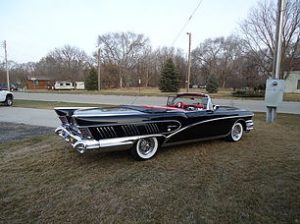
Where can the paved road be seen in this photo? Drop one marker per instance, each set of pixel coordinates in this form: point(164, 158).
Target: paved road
point(253, 105)
point(37, 117)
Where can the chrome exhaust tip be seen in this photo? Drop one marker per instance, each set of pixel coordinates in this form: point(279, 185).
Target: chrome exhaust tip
point(80, 147)
point(59, 131)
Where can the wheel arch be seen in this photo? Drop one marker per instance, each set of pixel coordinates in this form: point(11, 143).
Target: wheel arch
point(9, 95)
point(243, 122)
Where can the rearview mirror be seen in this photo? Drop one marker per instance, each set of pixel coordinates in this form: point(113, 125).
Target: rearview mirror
point(215, 107)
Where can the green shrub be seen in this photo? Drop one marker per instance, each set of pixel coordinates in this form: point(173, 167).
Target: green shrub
point(212, 84)
point(169, 81)
point(91, 81)
point(249, 93)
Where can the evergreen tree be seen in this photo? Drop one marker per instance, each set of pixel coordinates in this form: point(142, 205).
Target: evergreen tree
point(169, 81)
point(91, 81)
point(212, 84)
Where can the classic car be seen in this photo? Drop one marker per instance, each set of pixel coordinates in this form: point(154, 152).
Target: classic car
point(187, 117)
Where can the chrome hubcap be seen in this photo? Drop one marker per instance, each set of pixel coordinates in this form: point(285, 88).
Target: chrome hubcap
point(147, 145)
point(236, 132)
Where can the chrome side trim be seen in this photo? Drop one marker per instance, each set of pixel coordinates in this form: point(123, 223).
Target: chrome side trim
point(112, 144)
point(202, 122)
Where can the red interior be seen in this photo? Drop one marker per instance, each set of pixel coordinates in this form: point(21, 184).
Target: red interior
point(178, 106)
point(164, 107)
point(184, 106)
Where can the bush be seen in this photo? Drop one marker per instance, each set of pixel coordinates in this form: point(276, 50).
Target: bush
point(91, 81)
point(169, 81)
point(249, 93)
point(212, 84)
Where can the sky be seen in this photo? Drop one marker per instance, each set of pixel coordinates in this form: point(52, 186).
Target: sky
point(33, 28)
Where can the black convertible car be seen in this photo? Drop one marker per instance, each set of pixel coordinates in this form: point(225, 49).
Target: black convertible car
point(187, 117)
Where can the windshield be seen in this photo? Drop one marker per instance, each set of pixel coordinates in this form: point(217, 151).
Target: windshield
point(187, 101)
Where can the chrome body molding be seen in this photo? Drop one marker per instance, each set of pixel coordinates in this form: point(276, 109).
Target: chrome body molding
point(112, 144)
point(210, 120)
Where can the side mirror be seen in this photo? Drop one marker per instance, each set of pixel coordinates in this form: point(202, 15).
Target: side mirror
point(215, 107)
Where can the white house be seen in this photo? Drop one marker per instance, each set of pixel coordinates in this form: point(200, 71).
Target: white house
point(79, 85)
point(292, 82)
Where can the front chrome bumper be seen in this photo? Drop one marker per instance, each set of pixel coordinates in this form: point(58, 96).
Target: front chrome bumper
point(249, 125)
point(112, 144)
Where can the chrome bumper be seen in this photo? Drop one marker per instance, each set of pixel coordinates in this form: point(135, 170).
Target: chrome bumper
point(112, 144)
point(249, 125)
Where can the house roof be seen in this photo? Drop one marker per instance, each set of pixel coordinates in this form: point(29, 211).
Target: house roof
point(38, 78)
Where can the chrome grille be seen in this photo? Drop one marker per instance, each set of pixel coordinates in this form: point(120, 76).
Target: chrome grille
point(106, 132)
point(151, 128)
point(130, 130)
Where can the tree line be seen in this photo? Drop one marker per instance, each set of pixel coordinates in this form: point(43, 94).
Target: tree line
point(239, 60)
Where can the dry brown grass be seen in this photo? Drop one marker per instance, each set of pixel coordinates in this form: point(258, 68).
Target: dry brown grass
point(291, 97)
point(51, 104)
point(256, 180)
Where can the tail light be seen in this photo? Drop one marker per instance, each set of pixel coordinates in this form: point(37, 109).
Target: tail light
point(63, 119)
point(85, 133)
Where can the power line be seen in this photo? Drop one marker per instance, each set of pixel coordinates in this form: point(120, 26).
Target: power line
point(186, 23)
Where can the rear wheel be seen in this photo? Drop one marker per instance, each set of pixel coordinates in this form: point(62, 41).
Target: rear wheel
point(8, 101)
point(236, 132)
point(145, 148)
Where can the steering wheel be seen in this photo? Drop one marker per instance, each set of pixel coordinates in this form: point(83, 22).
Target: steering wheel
point(191, 108)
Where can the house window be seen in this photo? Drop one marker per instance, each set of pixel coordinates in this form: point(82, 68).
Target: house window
point(36, 82)
point(298, 84)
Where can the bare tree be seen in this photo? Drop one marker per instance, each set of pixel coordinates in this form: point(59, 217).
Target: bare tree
point(124, 50)
point(216, 57)
point(258, 33)
point(66, 63)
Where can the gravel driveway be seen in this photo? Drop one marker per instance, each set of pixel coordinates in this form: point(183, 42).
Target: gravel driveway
point(13, 131)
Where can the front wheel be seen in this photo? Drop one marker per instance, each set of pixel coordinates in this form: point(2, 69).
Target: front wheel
point(8, 101)
point(145, 148)
point(236, 132)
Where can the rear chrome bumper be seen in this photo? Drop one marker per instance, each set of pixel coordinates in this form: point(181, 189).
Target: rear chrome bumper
point(112, 144)
point(249, 125)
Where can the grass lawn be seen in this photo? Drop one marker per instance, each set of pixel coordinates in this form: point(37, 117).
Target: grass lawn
point(51, 104)
point(256, 180)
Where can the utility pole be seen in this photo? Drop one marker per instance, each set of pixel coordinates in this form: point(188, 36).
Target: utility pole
point(274, 94)
point(99, 69)
point(276, 38)
point(6, 65)
point(279, 41)
point(189, 63)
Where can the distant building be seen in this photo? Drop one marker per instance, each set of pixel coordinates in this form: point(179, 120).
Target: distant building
point(292, 82)
point(38, 83)
point(63, 85)
point(292, 79)
point(79, 85)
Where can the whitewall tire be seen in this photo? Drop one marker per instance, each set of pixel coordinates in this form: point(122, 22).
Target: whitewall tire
point(145, 148)
point(236, 132)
